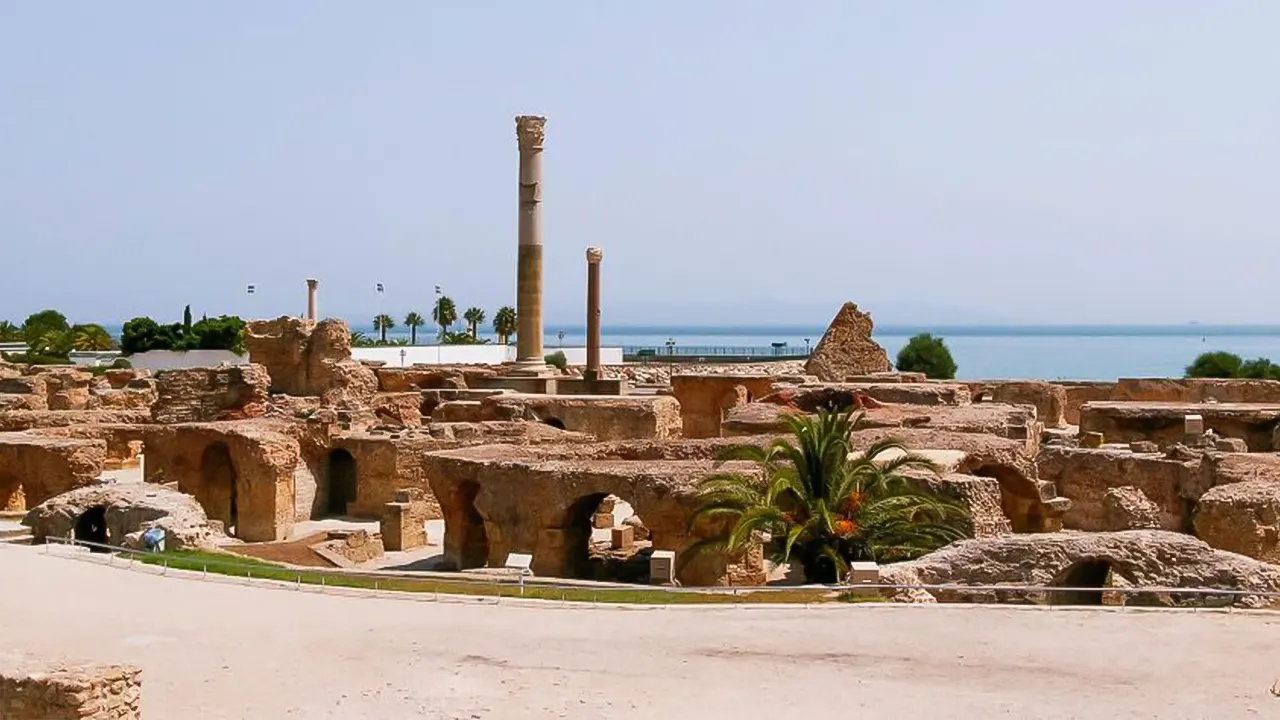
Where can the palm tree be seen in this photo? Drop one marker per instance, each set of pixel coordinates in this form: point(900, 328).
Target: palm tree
point(90, 337)
point(504, 323)
point(445, 313)
point(474, 316)
point(359, 339)
point(826, 507)
point(9, 332)
point(382, 324)
point(413, 321)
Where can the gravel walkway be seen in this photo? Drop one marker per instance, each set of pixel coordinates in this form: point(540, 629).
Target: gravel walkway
point(217, 650)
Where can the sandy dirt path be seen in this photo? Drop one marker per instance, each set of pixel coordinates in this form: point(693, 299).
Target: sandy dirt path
point(215, 650)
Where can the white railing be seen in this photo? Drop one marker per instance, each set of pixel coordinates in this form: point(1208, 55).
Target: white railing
point(456, 587)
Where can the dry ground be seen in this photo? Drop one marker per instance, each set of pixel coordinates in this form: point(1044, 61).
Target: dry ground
point(217, 650)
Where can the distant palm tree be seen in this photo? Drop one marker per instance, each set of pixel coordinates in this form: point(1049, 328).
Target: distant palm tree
point(504, 323)
point(9, 332)
point(382, 324)
point(445, 313)
point(90, 337)
point(413, 321)
point(359, 339)
point(474, 316)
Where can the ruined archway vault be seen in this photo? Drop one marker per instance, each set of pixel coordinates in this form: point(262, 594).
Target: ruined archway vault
point(529, 499)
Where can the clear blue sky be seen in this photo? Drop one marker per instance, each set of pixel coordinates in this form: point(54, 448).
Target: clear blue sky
point(748, 161)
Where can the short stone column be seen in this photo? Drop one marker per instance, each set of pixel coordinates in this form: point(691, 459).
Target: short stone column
point(530, 134)
point(312, 286)
point(594, 256)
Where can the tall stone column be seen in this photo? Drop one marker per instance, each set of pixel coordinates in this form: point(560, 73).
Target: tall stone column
point(312, 285)
point(594, 256)
point(530, 133)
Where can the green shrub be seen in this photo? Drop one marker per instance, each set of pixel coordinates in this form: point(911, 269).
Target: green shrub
point(557, 360)
point(1215, 365)
point(929, 355)
point(225, 332)
point(121, 364)
point(1260, 369)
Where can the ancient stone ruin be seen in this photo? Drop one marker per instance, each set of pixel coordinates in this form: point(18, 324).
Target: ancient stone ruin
point(308, 457)
point(846, 349)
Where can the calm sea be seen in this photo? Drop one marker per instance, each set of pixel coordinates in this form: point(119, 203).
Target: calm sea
point(1080, 352)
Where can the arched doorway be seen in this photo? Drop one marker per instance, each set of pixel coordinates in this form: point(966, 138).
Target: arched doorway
point(91, 527)
point(475, 539)
point(342, 481)
point(12, 497)
point(556, 423)
point(1083, 575)
point(1019, 498)
point(577, 531)
point(219, 486)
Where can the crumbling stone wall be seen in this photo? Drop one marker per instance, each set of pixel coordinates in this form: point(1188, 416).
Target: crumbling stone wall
point(614, 418)
point(34, 469)
point(310, 358)
point(254, 463)
point(1243, 518)
point(234, 392)
point(498, 499)
point(705, 399)
point(1085, 475)
point(59, 692)
point(1048, 399)
point(846, 348)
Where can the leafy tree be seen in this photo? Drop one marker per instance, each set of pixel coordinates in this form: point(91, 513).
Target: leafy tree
point(474, 316)
point(91, 337)
point(445, 314)
point(9, 332)
point(382, 324)
point(825, 508)
point(504, 323)
point(413, 321)
point(41, 329)
point(929, 355)
point(557, 360)
point(1260, 369)
point(1215, 365)
point(225, 332)
point(462, 338)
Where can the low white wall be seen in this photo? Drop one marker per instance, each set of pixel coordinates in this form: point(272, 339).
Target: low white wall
point(437, 354)
point(578, 355)
point(470, 355)
point(155, 360)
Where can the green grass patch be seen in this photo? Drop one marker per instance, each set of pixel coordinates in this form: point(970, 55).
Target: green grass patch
point(240, 566)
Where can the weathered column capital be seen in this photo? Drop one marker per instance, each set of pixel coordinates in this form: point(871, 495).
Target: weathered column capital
point(531, 130)
point(594, 255)
point(312, 284)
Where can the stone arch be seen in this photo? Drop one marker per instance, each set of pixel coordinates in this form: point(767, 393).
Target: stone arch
point(12, 494)
point(91, 527)
point(554, 422)
point(576, 529)
point(219, 483)
point(341, 473)
point(475, 537)
point(1020, 498)
point(1084, 575)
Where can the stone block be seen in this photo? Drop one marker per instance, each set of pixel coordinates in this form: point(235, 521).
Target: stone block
point(864, 573)
point(1091, 440)
point(622, 537)
point(1231, 445)
point(1193, 425)
point(662, 567)
point(1143, 446)
point(602, 520)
